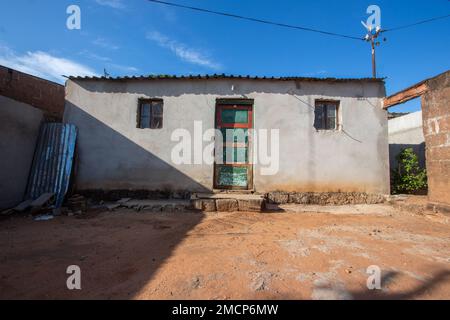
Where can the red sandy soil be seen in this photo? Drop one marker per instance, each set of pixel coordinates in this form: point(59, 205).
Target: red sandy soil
point(285, 255)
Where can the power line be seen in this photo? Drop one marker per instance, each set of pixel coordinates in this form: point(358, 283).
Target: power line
point(258, 20)
point(417, 23)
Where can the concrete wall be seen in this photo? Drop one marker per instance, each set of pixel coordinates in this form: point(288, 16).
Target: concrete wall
point(114, 154)
point(436, 121)
point(406, 132)
point(25, 101)
point(19, 131)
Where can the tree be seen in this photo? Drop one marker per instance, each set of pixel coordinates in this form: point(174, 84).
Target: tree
point(408, 177)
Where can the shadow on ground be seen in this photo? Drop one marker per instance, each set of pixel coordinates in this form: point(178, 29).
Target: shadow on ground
point(117, 256)
point(131, 254)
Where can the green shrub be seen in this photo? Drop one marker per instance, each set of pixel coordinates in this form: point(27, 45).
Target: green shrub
point(408, 177)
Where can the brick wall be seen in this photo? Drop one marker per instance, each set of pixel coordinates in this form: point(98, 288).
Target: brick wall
point(45, 95)
point(436, 127)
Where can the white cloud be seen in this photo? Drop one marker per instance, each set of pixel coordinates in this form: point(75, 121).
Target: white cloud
point(94, 56)
point(43, 64)
point(116, 4)
point(108, 62)
point(182, 51)
point(104, 43)
point(316, 73)
point(123, 68)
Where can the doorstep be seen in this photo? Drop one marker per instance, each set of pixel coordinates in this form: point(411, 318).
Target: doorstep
point(227, 202)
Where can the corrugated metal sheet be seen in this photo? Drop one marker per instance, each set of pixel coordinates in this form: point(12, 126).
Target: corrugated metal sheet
point(225, 76)
point(52, 163)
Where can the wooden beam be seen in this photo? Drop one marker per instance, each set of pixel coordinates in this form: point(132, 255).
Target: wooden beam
point(403, 96)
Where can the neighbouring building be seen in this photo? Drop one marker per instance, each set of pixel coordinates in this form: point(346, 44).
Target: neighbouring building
point(435, 101)
point(25, 102)
point(333, 133)
point(406, 131)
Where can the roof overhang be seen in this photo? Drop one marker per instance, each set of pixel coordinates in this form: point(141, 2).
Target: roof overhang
point(224, 77)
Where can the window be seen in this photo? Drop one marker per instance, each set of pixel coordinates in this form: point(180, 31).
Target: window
point(150, 114)
point(325, 115)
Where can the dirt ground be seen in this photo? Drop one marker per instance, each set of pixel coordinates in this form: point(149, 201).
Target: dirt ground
point(305, 252)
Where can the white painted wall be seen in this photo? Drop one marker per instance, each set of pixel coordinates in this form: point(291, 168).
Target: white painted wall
point(406, 131)
point(114, 154)
point(405, 123)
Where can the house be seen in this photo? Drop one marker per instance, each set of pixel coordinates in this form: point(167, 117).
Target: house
point(288, 134)
point(435, 101)
point(26, 102)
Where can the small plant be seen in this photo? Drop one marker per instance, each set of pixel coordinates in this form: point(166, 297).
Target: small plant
point(408, 177)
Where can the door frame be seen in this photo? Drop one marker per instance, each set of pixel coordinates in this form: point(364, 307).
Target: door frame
point(232, 103)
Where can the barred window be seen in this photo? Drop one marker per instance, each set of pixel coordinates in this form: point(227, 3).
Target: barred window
point(325, 115)
point(150, 114)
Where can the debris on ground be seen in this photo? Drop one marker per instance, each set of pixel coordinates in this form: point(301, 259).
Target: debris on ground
point(44, 199)
point(112, 206)
point(123, 200)
point(23, 206)
point(163, 205)
point(77, 203)
point(7, 212)
point(42, 204)
point(38, 206)
point(44, 217)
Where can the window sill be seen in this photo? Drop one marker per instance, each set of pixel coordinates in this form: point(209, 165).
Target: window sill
point(328, 130)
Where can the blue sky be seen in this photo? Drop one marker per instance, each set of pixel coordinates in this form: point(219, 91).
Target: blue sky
point(139, 37)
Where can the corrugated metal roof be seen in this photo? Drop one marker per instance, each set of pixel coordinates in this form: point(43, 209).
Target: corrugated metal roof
point(52, 163)
point(224, 76)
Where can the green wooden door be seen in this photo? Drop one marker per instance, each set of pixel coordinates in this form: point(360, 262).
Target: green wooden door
point(234, 171)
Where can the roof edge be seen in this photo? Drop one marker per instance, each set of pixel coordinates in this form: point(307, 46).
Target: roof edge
point(223, 77)
point(31, 75)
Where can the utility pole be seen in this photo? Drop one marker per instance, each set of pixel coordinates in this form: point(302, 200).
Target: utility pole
point(374, 60)
point(373, 27)
point(372, 37)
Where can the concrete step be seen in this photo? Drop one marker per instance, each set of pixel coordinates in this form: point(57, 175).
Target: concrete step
point(227, 202)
